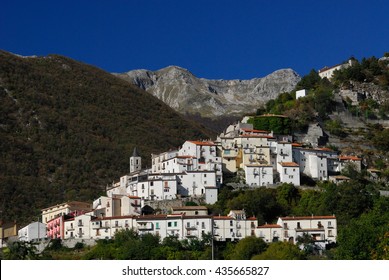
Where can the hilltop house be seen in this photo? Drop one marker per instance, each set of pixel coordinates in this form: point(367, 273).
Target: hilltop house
point(328, 72)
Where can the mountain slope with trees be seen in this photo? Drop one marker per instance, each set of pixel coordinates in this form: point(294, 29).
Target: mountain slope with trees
point(67, 130)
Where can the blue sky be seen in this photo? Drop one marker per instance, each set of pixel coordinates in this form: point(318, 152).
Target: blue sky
point(238, 39)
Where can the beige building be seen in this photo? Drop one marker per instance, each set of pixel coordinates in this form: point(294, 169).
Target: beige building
point(64, 209)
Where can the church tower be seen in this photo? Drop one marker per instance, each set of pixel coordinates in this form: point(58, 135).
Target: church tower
point(135, 161)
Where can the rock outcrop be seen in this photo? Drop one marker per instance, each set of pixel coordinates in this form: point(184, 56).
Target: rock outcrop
point(184, 92)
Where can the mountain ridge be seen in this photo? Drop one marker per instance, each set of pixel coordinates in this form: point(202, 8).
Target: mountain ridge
point(184, 92)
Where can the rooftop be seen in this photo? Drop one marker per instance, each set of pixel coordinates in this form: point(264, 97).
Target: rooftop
point(288, 164)
point(307, 218)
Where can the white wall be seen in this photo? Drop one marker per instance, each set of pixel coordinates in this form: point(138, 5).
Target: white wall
point(35, 230)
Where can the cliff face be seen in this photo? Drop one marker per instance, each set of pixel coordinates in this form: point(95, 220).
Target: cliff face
point(186, 93)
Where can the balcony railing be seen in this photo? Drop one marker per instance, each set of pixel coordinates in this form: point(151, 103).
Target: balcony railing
point(145, 226)
point(192, 227)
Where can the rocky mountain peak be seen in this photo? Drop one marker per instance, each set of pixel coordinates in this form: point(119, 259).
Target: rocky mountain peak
point(186, 93)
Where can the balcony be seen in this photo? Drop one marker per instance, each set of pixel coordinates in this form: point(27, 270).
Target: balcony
point(191, 227)
point(69, 228)
point(96, 225)
point(145, 226)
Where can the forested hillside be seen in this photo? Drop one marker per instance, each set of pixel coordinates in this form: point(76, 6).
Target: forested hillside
point(67, 130)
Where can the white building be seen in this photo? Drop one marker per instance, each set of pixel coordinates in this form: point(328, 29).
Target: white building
point(33, 231)
point(354, 161)
point(289, 172)
point(301, 93)
point(234, 226)
point(180, 225)
point(328, 72)
point(316, 163)
point(322, 229)
point(269, 232)
point(258, 175)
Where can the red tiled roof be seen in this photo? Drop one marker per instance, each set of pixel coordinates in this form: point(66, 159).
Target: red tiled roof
point(325, 149)
point(296, 145)
point(256, 136)
point(201, 143)
point(350, 158)
point(288, 164)
point(307, 218)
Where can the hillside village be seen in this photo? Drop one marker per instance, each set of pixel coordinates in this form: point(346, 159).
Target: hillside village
point(195, 171)
point(155, 199)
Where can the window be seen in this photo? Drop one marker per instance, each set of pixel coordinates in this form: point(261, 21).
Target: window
point(285, 171)
point(151, 183)
point(175, 224)
point(188, 224)
point(157, 225)
point(202, 225)
point(231, 223)
point(169, 224)
point(329, 224)
point(285, 225)
point(116, 223)
point(298, 225)
point(330, 233)
point(205, 175)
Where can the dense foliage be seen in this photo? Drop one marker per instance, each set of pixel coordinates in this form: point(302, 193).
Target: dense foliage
point(367, 70)
point(317, 104)
point(278, 124)
point(67, 130)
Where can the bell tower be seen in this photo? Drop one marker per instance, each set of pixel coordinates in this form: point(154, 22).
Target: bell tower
point(135, 161)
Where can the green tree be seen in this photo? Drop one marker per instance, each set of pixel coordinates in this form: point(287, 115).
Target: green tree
point(246, 248)
point(281, 251)
point(365, 237)
point(288, 196)
point(20, 251)
point(309, 81)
